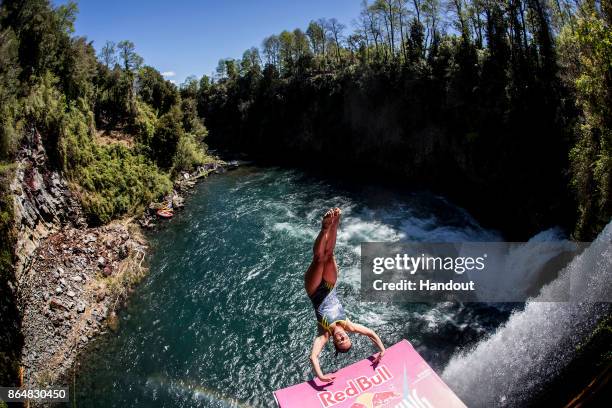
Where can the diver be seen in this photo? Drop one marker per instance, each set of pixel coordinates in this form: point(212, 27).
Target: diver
point(320, 284)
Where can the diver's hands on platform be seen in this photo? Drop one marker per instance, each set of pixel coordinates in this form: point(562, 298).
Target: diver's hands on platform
point(327, 378)
point(379, 357)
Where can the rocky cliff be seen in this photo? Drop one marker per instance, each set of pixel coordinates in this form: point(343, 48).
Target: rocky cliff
point(42, 200)
point(69, 278)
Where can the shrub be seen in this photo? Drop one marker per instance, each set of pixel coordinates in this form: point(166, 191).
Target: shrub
point(189, 154)
point(110, 180)
point(144, 123)
point(118, 181)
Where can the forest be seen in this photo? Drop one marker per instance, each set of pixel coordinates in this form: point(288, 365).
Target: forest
point(503, 106)
point(114, 127)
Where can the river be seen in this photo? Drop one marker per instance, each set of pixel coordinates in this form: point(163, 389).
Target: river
point(222, 319)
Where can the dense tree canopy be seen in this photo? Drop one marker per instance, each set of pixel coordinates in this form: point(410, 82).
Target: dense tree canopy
point(502, 105)
point(53, 83)
point(468, 97)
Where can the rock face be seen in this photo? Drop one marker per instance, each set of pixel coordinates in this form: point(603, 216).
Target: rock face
point(42, 200)
point(63, 294)
point(70, 278)
point(63, 269)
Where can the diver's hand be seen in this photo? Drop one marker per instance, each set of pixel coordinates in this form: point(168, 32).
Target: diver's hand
point(327, 378)
point(378, 357)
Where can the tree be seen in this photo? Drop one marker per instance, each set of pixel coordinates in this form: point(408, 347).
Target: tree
point(336, 30)
point(431, 13)
point(300, 44)
point(250, 62)
point(131, 61)
point(166, 137)
point(189, 87)
point(415, 44)
point(226, 69)
point(316, 36)
point(155, 90)
point(271, 50)
point(79, 69)
point(461, 20)
point(371, 23)
point(9, 85)
point(286, 41)
point(42, 32)
point(586, 52)
point(388, 10)
point(107, 54)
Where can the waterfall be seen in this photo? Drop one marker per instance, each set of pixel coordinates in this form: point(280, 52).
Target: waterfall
point(515, 363)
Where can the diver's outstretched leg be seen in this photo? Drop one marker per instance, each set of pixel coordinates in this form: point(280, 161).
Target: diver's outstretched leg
point(314, 273)
point(330, 269)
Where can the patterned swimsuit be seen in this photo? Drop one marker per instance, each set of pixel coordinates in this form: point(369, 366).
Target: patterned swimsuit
point(327, 306)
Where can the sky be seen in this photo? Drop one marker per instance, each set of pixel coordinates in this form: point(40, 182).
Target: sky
point(188, 37)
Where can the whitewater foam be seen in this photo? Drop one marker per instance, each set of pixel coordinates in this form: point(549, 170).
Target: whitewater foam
point(515, 363)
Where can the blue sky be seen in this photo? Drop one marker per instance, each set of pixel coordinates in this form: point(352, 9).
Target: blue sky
point(189, 37)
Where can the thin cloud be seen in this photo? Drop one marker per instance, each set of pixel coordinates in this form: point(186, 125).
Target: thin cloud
point(168, 73)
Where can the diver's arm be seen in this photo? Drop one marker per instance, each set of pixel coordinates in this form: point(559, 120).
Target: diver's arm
point(361, 329)
point(317, 346)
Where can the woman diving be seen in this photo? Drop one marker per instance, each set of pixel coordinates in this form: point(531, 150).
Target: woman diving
point(320, 284)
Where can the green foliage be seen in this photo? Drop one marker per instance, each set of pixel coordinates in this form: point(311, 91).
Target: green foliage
point(166, 137)
point(9, 318)
point(154, 90)
point(44, 108)
point(192, 123)
point(111, 180)
point(144, 123)
point(117, 181)
point(113, 106)
point(399, 95)
point(127, 53)
point(6, 219)
point(52, 85)
point(77, 149)
point(43, 34)
point(9, 84)
point(586, 48)
point(189, 154)
point(108, 54)
point(79, 70)
point(52, 82)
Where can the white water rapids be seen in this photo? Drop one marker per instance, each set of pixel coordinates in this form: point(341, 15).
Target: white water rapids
point(516, 361)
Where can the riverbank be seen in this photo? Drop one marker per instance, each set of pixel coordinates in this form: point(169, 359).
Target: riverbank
point(70, 279)
point(70, 292)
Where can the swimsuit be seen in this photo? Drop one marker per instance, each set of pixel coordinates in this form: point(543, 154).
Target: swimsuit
point(327, 306)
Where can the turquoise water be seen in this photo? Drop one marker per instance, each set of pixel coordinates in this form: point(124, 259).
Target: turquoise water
point(222, 320)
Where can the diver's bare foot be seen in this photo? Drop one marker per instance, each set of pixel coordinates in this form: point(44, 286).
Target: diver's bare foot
point(337, 213)
point(336, 217)
point(328, 219)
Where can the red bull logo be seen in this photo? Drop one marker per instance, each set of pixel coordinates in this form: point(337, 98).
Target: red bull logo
point(355, 387)
point(374, 400)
